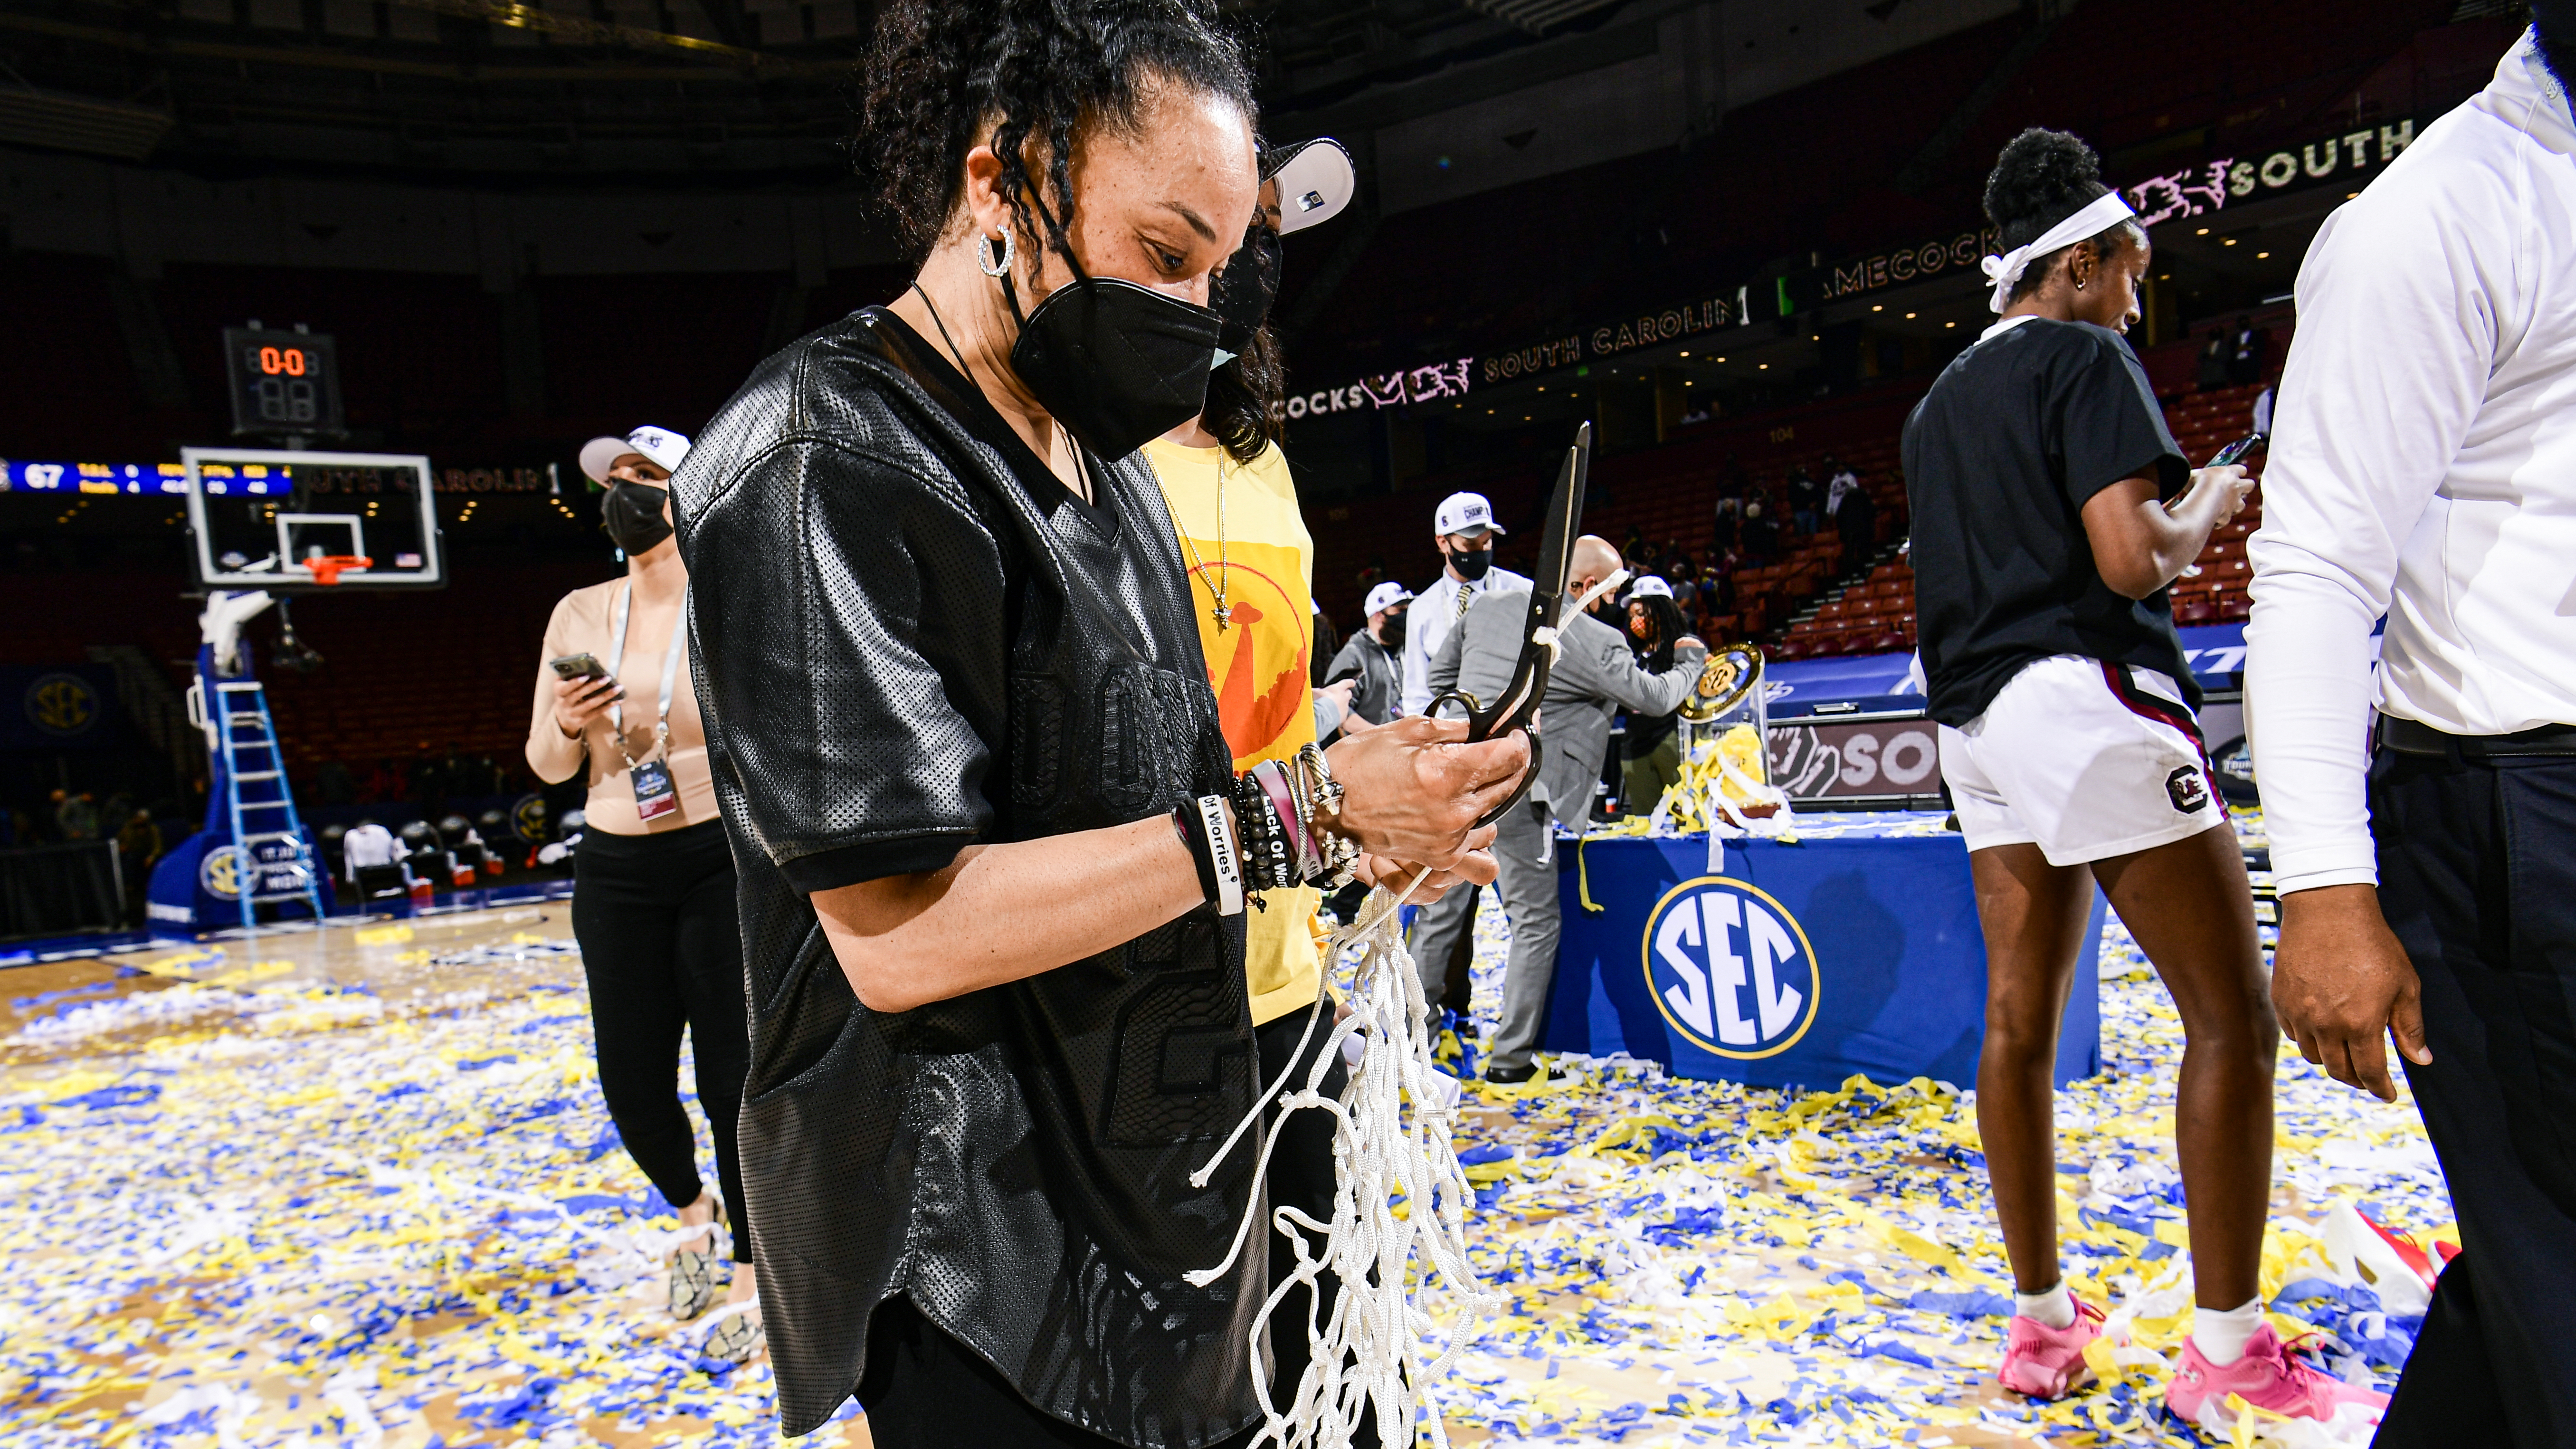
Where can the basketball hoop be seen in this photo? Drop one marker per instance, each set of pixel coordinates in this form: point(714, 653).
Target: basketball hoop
point(309, 528)
point(326, 567)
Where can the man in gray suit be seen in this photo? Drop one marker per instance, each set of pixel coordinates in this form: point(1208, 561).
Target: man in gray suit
point(1594, 674)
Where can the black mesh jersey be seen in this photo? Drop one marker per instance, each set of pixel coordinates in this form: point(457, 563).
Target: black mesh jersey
point(2000, 457)
point(911, 638)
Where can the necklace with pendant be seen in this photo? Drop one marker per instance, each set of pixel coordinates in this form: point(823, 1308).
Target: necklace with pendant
point(1222, 612)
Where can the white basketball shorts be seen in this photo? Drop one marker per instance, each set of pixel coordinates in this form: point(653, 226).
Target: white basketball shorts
point(2083, 759)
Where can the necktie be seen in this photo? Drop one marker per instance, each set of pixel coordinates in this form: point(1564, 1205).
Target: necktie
point(1464, 599)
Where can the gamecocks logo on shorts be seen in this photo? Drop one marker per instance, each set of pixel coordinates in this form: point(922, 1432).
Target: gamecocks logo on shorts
point(1730, 968)
point(2188, 791)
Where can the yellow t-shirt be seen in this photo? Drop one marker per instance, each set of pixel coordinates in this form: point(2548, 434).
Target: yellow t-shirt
point(1258, 664)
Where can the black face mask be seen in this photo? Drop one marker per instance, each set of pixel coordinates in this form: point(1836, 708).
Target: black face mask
point(631, 515)
point(1117, 364)
point(1472, 566)
point(1244, 289)
point(1391, 633)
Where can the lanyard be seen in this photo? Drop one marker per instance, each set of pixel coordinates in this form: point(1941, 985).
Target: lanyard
point(670, 669)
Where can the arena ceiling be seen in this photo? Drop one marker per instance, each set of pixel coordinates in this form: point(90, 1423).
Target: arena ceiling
point(721, 91)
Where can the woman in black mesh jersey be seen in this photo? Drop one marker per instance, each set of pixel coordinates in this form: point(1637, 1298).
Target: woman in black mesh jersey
point(993, 856)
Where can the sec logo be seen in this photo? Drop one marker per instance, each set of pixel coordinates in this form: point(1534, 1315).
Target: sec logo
point(221, 872)
point(528, 818)
point(1730, 968)
point(61, 704)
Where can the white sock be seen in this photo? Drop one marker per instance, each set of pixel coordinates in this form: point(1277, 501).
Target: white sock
point(2051, 1305)
point(2221, 1336)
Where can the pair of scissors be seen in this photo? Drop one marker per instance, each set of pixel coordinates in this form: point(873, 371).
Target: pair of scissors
point(1516, 708)
point(2239, 449)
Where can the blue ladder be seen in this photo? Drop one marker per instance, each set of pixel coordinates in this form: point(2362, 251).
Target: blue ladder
point(259, 798)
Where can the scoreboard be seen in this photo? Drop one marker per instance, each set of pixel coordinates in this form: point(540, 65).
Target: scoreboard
point(283, 383)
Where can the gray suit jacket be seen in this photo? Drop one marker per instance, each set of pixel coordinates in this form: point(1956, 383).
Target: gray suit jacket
point(1594, 674)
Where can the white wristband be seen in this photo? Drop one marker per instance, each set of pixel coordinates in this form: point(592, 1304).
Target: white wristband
point(1227, 858)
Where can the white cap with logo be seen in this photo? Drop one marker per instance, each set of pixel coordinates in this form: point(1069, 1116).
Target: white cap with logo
point(1466, 513)
point(661, 445)
point(1315, 181)
point(1648, 585)
point(1386, 596)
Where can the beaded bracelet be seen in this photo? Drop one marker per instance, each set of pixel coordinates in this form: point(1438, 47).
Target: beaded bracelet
point(1266, 864)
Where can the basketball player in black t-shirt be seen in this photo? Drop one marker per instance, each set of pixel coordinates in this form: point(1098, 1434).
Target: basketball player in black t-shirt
point(2051, 511)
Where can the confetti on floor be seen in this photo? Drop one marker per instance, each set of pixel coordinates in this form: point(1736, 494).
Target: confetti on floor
point(358, 1187)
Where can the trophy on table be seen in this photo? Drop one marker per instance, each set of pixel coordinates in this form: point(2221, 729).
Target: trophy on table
point(1726, 742)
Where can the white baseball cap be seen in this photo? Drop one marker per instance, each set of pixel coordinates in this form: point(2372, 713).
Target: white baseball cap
point(661, 445)
point(1315, 181)
point(1650, 584)
point(1466, 513)
point(1386, 596)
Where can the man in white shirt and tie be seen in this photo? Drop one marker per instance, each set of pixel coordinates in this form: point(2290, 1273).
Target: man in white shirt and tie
point(1463, 529)
point(2424, 468)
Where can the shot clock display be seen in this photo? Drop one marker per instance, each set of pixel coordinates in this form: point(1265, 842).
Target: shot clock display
point(283, 383)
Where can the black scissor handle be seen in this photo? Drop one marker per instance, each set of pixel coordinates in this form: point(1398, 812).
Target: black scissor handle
point(1482, 726)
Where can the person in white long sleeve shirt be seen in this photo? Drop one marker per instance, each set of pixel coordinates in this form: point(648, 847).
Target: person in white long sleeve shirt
point(1463, 529)
point(2424, 468)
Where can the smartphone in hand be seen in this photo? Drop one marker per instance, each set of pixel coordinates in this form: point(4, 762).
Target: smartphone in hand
point(584, 665)
point(2238, 449)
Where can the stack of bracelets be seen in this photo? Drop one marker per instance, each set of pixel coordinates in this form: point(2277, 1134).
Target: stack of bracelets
point(1278, 837)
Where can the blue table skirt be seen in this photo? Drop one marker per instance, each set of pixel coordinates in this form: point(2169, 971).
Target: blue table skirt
point(1790, 964)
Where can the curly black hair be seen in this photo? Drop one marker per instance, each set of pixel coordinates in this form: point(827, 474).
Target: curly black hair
point(1247, 400)
point(1669, 626)
point(2554, 22)
point(2042, 178)
point(942, 77)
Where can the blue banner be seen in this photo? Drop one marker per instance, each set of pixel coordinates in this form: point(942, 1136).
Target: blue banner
point(144, 478)
point(1788, 964)
point(2216, 653)
point(65, 707)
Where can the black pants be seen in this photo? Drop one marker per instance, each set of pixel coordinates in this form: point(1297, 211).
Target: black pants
point(655, 918)
point(2477, 876)
point(924, 1388)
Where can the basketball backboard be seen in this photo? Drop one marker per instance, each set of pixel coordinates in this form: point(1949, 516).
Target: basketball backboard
point(294, 521)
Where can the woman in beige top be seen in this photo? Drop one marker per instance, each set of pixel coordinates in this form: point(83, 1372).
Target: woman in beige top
point(653, 893)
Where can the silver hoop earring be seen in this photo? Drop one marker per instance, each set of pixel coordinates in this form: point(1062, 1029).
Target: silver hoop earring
point(984, 250)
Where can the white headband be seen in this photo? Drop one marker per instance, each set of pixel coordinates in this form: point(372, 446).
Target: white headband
point(2092, 219)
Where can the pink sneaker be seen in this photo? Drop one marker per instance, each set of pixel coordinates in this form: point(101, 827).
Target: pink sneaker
point(2041, 1361)
point(2267, 1377)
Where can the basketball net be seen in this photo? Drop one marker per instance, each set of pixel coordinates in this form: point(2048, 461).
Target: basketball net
point(1397, 1241)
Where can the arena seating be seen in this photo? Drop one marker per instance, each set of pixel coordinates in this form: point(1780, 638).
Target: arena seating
point(405, 675)
point(1665, 494)
point(1877, 615)
point(1618, 233)
point(1810, 601)
point(1874, 616)
point(409, 676)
